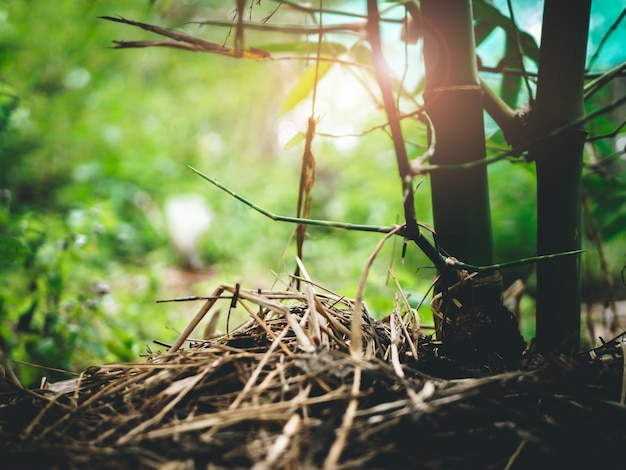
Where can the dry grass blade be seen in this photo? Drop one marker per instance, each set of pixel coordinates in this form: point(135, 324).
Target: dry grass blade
point(271, 394)
point(183, 41)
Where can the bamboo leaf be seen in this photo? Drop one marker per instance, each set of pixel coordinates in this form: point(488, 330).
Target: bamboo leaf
point(295, 140)
point(304, 86)
point(482, 30)
point(511, 84)
point(487, 15)
point(361, 53)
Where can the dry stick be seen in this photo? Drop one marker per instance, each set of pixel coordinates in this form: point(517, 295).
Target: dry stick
point(307, 175)
point(356, 351)
point(331, 333)
point(310, 291)
point(191, 383)
point(51, 402)
point(402, 322)
point(184, 41)
point(239, 31)
point(197, 319)
point(269, 381)
point(307, 170)
point(324, 322)
point(259, 368)
point(290, 429)
point(279, 411)
point(334, 323)
point(340, 441)
point(305, 342)
point(407, 305)
point(356, 345)
point(267, 329)
point(515, 455)
point(107, 389)
point(267, 412)
point(302, 395)
point(331, 293)
point(395, 360)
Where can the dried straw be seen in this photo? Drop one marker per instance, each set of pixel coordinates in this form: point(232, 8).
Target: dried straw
point(287, 389)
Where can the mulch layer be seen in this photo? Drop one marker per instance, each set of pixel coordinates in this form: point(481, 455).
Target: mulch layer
point(306, 384)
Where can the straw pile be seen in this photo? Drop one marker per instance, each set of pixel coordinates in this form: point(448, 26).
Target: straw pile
point(298, 387)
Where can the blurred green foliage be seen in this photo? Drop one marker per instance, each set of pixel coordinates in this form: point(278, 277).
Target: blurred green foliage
point(94, 141)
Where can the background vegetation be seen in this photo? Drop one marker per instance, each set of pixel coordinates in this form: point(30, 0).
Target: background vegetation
point(94, 145)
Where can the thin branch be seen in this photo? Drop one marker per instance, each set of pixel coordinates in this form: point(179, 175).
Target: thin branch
point(308, 9)
point(390, 230)
point(533, 75)
point(599, 165)
point(307, 171)
point(501, 112)
point(608, 135)
point(404, 167)
point(288, 29)
point(592, 87)
point(295, 220)
point(182, 41)
point(610, 31)
point(511, 264)
point(518, 150)
point(240, 27)
point(422, 116)
point(520, 55)
point(310, 58)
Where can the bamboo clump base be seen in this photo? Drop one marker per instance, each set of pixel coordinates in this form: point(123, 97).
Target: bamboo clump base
point(287, 389)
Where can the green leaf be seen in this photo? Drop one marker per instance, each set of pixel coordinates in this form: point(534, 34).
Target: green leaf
point(305, 85)
point(489, 17)
point(482, 30)
point(8, 104)
point(11, 249)
point(511, 84)
point(361, 53)
point(295, 140)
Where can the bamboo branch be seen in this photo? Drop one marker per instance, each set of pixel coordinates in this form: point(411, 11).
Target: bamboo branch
point(304, 7)
point(389, 229)
point(610, 31)
point(182, 40)
point(516, 151)
point(593, 86)
point(520, 54)
point(288, 29)
point(510, 264)
point(296, 220)
point(404, 167)
point(504, 116)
